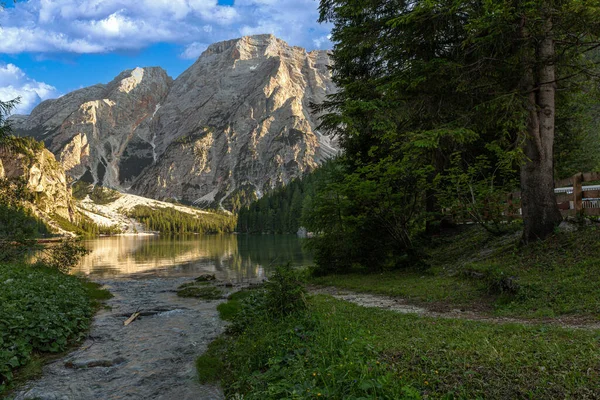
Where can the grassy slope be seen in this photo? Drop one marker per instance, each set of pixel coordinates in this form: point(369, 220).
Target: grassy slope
point(558, 277)
point(343, 351)
point(340, 350)
point(43, 313)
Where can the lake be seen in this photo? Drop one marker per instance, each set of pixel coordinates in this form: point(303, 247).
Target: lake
point(229, 257)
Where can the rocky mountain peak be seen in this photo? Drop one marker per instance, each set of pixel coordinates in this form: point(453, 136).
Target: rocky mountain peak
point(238, 121)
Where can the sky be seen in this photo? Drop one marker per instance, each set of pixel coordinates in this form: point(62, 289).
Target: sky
point(51, 47)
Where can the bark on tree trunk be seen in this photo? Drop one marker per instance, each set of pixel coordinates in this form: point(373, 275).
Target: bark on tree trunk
point(538, 201)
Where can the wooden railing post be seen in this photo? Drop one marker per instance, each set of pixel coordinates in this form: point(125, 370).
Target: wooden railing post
point(577, 193)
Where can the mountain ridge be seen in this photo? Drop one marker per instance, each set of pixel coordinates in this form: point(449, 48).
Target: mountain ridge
point(235, 124)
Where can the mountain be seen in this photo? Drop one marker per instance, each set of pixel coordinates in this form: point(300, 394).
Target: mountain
point(34, 184)
point(42, 177)
point(101, 133)
point(235, 124)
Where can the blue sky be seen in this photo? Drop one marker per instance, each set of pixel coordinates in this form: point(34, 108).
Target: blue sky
point(51, 47)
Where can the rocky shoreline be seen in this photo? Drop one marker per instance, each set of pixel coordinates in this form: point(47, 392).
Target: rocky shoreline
point(151, 358)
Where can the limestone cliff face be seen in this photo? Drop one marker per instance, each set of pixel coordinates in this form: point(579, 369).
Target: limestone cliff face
point(45, 177)
point(102, 132)
point(238, 119)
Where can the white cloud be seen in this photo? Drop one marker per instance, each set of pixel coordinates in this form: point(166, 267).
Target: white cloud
point(323, 42)
point(193, 50)
point(97, 26)
point(15, 83)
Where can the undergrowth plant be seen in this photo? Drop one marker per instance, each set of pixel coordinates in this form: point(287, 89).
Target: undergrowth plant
point(284, 293)
point(43, 310)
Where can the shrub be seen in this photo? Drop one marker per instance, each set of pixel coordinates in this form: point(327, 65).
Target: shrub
point(496, 281)
point(42, 311)
point(229, 310)
point(284, 292)
point(63, 256)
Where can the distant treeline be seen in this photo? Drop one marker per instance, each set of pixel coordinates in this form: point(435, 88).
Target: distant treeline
point(98, 194)
point(85, 226)
point(281, 211)
point(169, 220)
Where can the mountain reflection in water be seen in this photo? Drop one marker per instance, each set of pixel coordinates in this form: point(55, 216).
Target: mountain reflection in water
point(230, 257)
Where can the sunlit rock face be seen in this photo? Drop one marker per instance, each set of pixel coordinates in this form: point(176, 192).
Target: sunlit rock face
point(239, 119)
point(102, 133)
point(44, 177)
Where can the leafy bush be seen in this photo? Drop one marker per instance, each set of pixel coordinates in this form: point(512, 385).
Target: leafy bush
point(301, 356)
point(63, 256)
point(252, 308)
point(284, 292)
point(281, 296)
point(42, 311)
point(229, 310)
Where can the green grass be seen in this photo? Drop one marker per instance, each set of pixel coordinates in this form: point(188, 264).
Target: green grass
point(342, 351)
point(43, 312)
point(200, 291)
point(557, 277)
point(416, 286)
point(227, 311)
point(96, 293)
point(209, 366)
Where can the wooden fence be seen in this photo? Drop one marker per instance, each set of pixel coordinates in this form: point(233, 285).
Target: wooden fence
point(572, 196)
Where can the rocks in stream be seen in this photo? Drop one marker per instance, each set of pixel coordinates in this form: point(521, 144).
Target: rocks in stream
point(152, 358)
point(207, 287)
point(200, 291)
point(92, 363)
point(205, 278)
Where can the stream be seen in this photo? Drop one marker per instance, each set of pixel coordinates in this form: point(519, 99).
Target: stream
point(153, 357)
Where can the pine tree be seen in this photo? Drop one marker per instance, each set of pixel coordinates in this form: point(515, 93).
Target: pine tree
point(479, 77)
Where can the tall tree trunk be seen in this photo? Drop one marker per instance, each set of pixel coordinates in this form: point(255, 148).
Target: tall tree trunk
point(538, 202)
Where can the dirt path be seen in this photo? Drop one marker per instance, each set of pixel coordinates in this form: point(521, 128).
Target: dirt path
point(402, 306)
point(152, 358)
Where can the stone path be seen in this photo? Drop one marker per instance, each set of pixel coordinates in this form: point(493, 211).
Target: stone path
point(404, 307)
point(152, 358)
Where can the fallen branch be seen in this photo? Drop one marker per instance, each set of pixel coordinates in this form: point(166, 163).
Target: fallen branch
point(132, 318)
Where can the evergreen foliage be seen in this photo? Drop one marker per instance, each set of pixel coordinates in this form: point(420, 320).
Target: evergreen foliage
point(170, 220)
point(447, 106)
point(444, 108)
point(85, 226)
point(281, 210)
point(98, 194)
point(16, 220)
